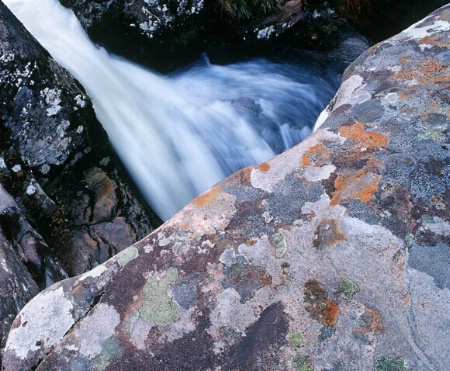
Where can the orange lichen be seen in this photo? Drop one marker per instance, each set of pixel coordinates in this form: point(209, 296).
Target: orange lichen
point(361, 186)
point(442, 42)
point(318, 305)
point(428, 71)
point(316, 155)
point(241, 177)
point(358, 134)
point(207, 197)
point(264, 167)
point(369, 322)
point(330, 313)
point(328, 234)
point(250, 243)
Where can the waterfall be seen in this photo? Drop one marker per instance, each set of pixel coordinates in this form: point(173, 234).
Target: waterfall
point(178, 135)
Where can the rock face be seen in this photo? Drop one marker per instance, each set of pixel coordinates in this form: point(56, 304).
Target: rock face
point(332, 256)
point(65, 205)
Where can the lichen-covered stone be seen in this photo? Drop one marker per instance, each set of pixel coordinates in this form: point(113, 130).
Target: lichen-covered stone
point(57, 163)
point(262, 271)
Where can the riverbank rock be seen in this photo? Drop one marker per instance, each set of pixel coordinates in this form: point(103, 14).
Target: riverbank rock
point(332, 256)
point(17, 286)
point(168, 35)
point(62, 180)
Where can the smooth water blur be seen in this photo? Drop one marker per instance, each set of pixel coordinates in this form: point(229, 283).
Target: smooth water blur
point(179, 134)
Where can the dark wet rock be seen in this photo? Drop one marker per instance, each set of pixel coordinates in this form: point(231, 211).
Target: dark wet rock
point(56, 160)
point(151, 32)
point(17, 286)
point(168, 35)
point(65, 204)
point(331, 256)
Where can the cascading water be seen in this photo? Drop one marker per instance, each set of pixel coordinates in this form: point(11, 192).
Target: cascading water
point(179, 134)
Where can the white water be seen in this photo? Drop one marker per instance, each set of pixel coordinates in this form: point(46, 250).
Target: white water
point(178, 135)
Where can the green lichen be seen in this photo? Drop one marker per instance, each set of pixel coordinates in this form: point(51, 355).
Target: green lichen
point(437, 133)
point(296, 339)
point(279, 242)
point(110, 349)
point(300, 363)
point(383, 363)
point(129, 325)
point(127, 255)
point(409, 240)
point(157, 307)
point(348, 288)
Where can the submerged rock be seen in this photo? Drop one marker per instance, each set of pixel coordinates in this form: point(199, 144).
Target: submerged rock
point(333, 255)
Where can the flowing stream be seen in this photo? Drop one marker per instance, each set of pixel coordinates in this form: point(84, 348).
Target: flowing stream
point(179, 134)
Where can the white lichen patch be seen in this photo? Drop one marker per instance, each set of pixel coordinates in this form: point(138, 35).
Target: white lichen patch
point(391, 98)
point(61, 128)
point(315, 174)
point(45, 169)
point(127, 255)
point(79, 100)
point(100, 324)
point(437, 225)
point(424, 47)
point(361, 233)
point(423, 29)
point(265, 33)
point(267, 217)
point(351, 92)
point(209, 213)
point(16, 168)
point(7, 57)
point(148, 248)
point(138, 329)
point(287, 162)
point(31, 190)
point(93, 273)
point(52, 98)
point(41, 324)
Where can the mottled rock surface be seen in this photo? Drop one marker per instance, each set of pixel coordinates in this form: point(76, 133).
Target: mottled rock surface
point(332, 256)
point(65, 204)
point(56, 160)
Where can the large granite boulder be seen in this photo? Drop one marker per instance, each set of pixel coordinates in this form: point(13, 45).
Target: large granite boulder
point(332, 256)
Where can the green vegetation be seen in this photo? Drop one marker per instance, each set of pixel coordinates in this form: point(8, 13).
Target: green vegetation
point(243, 10)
